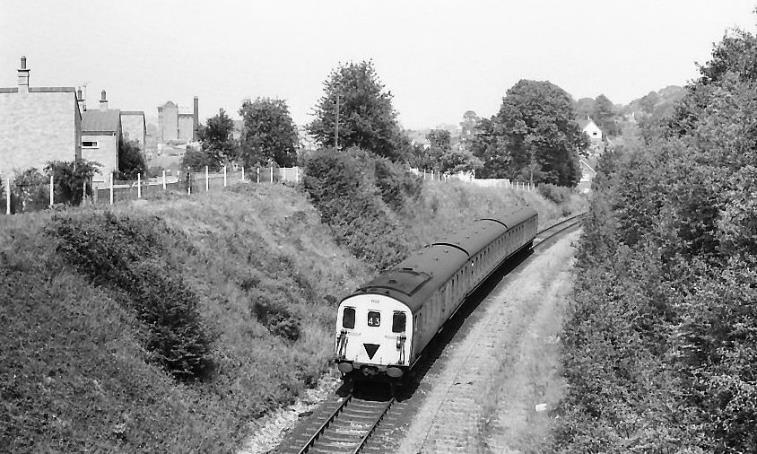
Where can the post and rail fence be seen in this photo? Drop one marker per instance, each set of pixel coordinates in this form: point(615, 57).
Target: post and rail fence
point(17, 197)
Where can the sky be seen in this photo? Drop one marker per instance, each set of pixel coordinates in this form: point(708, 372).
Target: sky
point(438, 58)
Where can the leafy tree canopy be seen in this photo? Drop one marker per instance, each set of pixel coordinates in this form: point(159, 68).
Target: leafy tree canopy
point(605, 116)
point(366, 117)
point(131, 161)
point(218, 145)
point(269, 133)
point(534, 136)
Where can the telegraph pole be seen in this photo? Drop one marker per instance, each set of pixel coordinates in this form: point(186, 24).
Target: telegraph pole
point(336, 124)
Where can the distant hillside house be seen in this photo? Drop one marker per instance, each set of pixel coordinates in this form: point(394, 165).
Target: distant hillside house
point(37, 125)
point(591, 129)
point(101, 131)
point(175, 126)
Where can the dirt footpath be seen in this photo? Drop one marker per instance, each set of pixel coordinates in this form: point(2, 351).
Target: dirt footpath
point(491, 391)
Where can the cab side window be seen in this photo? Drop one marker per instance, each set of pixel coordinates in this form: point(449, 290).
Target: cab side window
point(374, 318)
point(348, 318)
point(398, 322)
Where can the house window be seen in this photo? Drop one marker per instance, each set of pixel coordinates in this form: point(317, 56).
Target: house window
point(90, 144)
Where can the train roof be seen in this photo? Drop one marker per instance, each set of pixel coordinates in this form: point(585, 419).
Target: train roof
point(415, 279)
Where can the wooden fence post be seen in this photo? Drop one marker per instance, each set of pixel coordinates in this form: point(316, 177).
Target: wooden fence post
point(164, 180)
point(52, 191)
point(139, 185)
point(258, 169)
point(8, 195)
point(224, 176)
point(242, 173)
point(207, 183)
point(271, 173)
point(111, 188)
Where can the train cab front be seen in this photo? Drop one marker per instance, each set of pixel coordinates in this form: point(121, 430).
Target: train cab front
point(373, 339)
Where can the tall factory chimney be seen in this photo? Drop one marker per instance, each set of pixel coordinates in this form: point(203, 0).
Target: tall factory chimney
point(196, 120)
point(23, 77)
point(103, 101)
point(81, 101)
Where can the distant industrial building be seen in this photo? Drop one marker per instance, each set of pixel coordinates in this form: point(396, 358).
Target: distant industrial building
point(37, 125)
point(176, 126)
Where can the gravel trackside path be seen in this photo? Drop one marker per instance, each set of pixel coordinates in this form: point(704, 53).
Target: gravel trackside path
point(491, 391)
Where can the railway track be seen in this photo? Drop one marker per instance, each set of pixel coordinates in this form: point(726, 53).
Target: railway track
point(555, 229)
point(344, 426)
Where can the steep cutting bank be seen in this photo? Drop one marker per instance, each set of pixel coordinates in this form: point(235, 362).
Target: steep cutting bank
point(103, 313)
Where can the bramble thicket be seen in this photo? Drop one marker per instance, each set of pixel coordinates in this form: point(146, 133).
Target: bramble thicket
point(660, 349)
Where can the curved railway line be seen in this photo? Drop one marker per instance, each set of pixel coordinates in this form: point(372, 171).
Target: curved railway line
point(345, 424)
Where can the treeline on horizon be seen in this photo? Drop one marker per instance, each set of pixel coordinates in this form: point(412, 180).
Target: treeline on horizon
point(534, 137)
point(660, 347)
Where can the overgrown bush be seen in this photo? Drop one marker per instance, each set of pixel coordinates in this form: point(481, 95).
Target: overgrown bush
point(555, 193)
point(30, 191)
point(396, 184)
point(277, 319)
point(71, 179)
point(123, 254)
point(342, 186)
point(660, 343)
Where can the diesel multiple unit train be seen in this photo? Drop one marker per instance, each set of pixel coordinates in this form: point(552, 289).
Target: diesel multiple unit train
point(384, 326)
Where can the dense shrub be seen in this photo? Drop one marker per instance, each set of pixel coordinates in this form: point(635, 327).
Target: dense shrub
point(396, 185)
point(660, 344)
point(30, 191)
point(342, 186)
point(277, 319)
point(123, 254)
point(72, 179)
point(555, 193)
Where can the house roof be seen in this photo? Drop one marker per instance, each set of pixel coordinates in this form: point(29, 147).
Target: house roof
point(101, 120)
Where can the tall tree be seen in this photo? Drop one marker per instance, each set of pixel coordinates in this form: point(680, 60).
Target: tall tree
point(468, 128)
point(269, 133)
point(605, 116)
point(218, 145)
point(366, 117)
point(439, 144)
point(541, 139)
point(131, 161)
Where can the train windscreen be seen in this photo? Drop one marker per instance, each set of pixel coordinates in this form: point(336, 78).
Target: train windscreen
point(398, 322)
point(348, 318)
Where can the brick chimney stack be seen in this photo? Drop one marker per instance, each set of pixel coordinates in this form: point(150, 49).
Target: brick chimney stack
point(23, 77)
point(80, 101)
point(103, 101)
point(196, 121)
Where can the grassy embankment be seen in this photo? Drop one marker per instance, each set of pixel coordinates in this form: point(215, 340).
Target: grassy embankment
point(242, 284)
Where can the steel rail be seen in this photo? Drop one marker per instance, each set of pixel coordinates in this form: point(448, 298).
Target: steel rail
point(557, 228)
point(564, 221)
point(373, 427)
point(313, 438)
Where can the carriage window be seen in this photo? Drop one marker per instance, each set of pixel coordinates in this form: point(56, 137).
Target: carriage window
point(348, 318)
point(374, 318)
point(398, 322)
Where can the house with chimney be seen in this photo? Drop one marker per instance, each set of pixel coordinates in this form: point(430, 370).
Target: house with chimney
point(37, 125)
point(102, 131)
point(100, 134)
